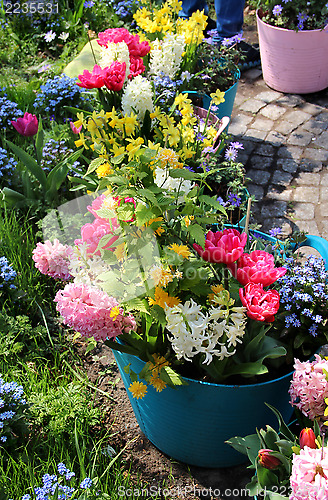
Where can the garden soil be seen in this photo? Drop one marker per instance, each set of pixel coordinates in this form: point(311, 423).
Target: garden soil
point(149, 468)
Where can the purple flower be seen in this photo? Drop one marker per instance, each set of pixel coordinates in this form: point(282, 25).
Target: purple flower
point(277, 10)
point(231, 154)
point(275, 231)
point(234, 200)
point(221, 201)
point(236, 145)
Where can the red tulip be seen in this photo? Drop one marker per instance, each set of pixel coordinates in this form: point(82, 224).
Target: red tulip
point(115, 76)
point(257, 267)
point(94, 80)
point(307, 438)
point(223, 246)
point(74, 129)
point(267, 460)
point(27, 126)
point(261, 304)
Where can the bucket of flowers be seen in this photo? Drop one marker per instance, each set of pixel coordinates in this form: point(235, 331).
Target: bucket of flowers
point(188, 311)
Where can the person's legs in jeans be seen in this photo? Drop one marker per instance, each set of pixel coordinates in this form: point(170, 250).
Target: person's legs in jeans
point(190, 6)
point(229, 17)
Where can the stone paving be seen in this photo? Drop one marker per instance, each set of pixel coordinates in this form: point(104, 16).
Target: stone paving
point(285, 140)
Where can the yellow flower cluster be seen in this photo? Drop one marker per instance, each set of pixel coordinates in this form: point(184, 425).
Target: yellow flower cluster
point(166, 20)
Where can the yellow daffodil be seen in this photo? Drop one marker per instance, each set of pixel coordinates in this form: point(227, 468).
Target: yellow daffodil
point(217, 97)
point(160, 276)
point(188, 220)
point(81, 142)
point(134, 146)
point(130, 123)
point(118, 150)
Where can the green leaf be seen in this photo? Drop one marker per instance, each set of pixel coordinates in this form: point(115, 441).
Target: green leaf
point(11, 196)
point(116, 160)
point(197, 234)
point(283, 428)
point(29, 162)
point(39, 142)
point(248, 445)
point(183, 173)
point(143, 214)
point(94, 165)
point(172, 378)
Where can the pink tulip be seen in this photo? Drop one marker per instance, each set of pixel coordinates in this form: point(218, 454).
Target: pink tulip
point(74, 129)
point(93, 80)
point(261, 304)
point(115, 76)
point(223, 246)
point(27, 126)
point(257, 267)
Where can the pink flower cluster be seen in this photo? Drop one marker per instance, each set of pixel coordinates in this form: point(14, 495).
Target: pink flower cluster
point(309, 387)
point(254, 271)
point(309, 478)
point(53, 259)
point(112, 77)
point(92, 312)
point(92, 233)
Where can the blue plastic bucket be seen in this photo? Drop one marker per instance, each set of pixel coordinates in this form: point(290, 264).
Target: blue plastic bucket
point(225, 108)
point(192, 423)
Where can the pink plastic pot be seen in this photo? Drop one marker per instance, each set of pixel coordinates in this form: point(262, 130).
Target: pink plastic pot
point(294, 62)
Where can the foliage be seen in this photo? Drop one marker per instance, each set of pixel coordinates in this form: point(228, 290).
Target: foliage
point(57, 410)
point(296, 15)
point(217, 65)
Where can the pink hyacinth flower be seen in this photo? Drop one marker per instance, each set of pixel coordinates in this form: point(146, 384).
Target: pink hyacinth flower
point(257, 267)
point(223, 246)
point(27, 126)
point(261, 304)
point(88, 310)
point(309, 477)
point(53, 259)
point(309, 388)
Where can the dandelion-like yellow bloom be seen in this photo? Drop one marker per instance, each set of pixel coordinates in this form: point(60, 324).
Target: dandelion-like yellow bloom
point(181, 250)
point(110, 203)
point(160, 276)
point(138, 389)
point(163, 299)
point(159, 230)
point(158, 383)
point(188, 220)
point(169, 158)
point(115, 311)
point(216, 289)
point(103, 170)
